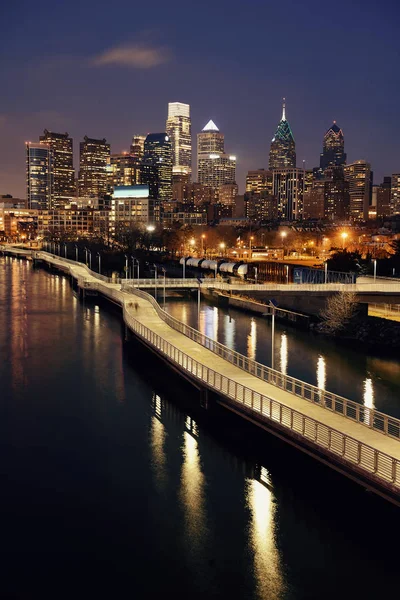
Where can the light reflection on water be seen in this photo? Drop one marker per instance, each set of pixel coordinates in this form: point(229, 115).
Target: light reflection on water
point(284, 353)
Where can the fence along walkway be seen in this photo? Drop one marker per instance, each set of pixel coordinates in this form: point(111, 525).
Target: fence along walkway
point(355, 444)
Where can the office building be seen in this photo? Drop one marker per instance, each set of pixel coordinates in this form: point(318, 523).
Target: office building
point(39, 175)
point(194, 193)
point(63, 167)
point(359, 177)
point(227, 193)
point(132, 206)
point(179, 130)
point(383, 198)
point(395, 194)
point(124, 169)
point(314, 200)
point(93, 160)
point(214, 166)
point(282, 154)
point(260, 206)
point(137, 146)
point(288, 188)
point(156, 166)
point(333, 154)
point(336, 194)
point(259, 181)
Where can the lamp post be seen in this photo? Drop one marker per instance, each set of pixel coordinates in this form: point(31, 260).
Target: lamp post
point(155, 280)
point(272, 307)
point(126, 266)
point(374, 270)
point(326, 271)
point(198, 303)
point(251, 239)
point(283, 235)
point(287, 274)
point(202, 243)
point(76, 252)
point(184, 267)
point(222, 247)
point(65, 250)
point(164, 271)
point(133, 267)
point(86, 251)
point(255, 274)
point(90, 259)
point(99, 257)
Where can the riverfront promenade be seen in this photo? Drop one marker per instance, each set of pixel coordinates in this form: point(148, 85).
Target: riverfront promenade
point(364, 444)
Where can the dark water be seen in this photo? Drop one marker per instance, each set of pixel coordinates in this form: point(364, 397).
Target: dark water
point(111, 487)
point(356, 374)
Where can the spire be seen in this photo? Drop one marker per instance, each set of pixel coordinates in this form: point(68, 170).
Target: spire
point(211, 126)
point(284, 110)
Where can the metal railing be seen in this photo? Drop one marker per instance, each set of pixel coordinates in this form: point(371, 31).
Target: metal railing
point(347, 408)
point(349, 449)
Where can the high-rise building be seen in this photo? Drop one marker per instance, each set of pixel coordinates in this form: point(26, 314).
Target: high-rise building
point(179, 129)
point(227, 194)
point(336, 194)
point(359, 177)
point(137, 146)
point(39, 175)
point(383, 198)
point(288, 189)
point(313, 201)
point(259, 181)
point(193, 193)
point(124, 169)
point(282, 154)
point(260, 206)
point(64, 172)
point(333, 154)
point(93, 160)
point(214, 166)
point(131, 205)
point(156, 166)
point(395, 194)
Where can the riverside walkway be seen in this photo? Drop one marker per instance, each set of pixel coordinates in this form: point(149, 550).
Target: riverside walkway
point(362, 443)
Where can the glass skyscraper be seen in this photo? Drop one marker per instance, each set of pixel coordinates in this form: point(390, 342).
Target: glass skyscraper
point(179, 130)
point(39, 175)
point(214, 166)
point(93, 160)
point(64, 172)
point(282, 154)
point(333, 154)
point(156, 166)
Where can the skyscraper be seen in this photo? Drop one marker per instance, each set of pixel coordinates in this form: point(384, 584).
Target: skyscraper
point(333, 154)
point(124, 169)
point(214, 166)
point(179, 130)
point(137, 146)
point(259, 181)
point(288, 188)
point(383, 198)
point(39, 175)
point(156, 166)
point(282, 154)
point(359, 177)
point(93, 160)
point(395, 194)
point(64, 172)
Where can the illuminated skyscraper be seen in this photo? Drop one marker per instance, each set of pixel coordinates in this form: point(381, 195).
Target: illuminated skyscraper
point(333, 154)
point(288, 189)
point(137, 146)
point(395, 194)
point(156, 166)
point(359, 177)
point(64, 172)
point(179, 130)
point(39, 175)
point(124, 169)
point(259, 181)
point(214, 167)
point(93, 160)
point(282, 154)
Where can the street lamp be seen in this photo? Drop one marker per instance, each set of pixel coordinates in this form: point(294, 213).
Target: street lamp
point(65, 250)
point(203, 237)
point(126, 266)
point(76, 252)
point(326, 271)
point(184, 267)
point(155, 280)
point(344, 235)
point(99, 257)
point(251, 239)
point(86, 251)
point(287, 274)
point(222, 246)
point(283, 235)
point(164, 271)
point(374, 261)
point(90, 259)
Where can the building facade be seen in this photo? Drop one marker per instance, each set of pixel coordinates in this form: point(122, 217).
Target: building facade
point(94, 156)
point(137, 146)
point(124, 169)
point(63, 166)
point(333, 154)
point(156, 166)
point(359, 177)
point(39, 175)
point(179, 130)
point(288, 189)
point(282, 154)
point(214, 166)
point(259, 181)
point(395, 194)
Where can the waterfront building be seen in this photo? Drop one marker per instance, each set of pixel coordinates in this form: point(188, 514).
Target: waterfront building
point(359, 177)
point(132, 206)
point(395, 194)
point(63, 166)
point(282, 154)
point(137, 146)
point(156, 166)
point(39, 175)
point(214, 166)
point(333, 154)
point(94, 156)
point(124, 169)
point(179, 130)
point(258, 181)
point(288, 189)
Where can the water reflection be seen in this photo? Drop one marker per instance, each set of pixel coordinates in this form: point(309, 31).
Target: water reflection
point(284, 353)
point(192, 487)
point(158, 436)
point(267, 561)
point(229, 332)
point(321, 372)
point(252, 340)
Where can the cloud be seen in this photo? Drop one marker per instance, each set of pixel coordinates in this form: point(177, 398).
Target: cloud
point(139, 56)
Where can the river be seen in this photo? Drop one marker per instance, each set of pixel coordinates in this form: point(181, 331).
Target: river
point(115, 483)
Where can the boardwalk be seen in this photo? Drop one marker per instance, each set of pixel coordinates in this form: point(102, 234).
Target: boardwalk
point(363, 444)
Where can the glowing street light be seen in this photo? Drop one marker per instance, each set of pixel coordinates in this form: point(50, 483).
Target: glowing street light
point(203, 237)
point(222, 247)
point(283, 235)
point(344, 236)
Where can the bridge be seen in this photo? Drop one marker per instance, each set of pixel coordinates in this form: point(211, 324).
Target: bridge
point(357, 441)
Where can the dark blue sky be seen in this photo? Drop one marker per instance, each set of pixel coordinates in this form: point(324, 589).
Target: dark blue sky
point(108, 69)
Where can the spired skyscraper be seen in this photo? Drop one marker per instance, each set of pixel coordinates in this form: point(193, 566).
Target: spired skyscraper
point(333, 154)
point(214, 167)
point(179, 130)
point(282, 154)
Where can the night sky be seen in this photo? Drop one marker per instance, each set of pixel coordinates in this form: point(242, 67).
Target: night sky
point(108, 69)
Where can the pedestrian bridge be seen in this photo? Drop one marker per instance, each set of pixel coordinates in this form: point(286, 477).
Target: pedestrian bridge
point(359, 442)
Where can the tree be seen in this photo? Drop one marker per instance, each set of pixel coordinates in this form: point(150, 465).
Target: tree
point(339, 311)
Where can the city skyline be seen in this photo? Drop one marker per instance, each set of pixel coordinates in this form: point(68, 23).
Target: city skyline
point(95, 83)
